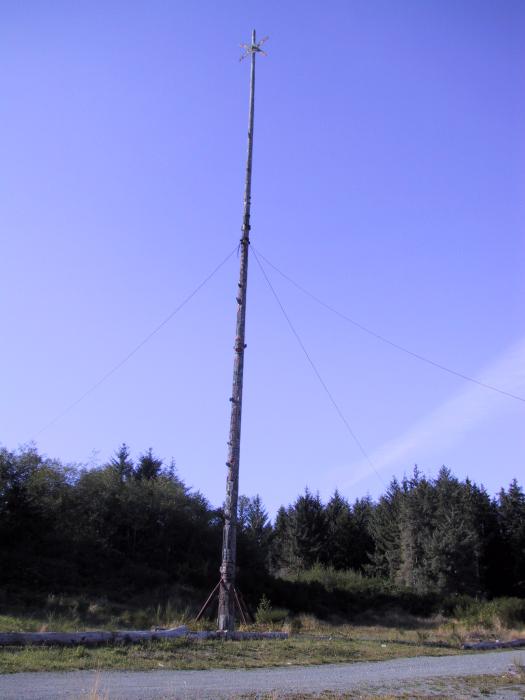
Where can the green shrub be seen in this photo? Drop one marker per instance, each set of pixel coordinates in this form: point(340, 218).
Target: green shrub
point(263, 614)
point(499, 612)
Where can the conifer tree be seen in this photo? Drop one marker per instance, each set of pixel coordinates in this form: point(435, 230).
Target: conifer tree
point(340, 532)
point(281, 551)
point(511, 512)
point(258, 525)
point(363, 543)
point(308, 530)
point(149, 466)
point(255, 533)
point(415, 524)
point(385, 531)
point(122, 462)
point(454, 547)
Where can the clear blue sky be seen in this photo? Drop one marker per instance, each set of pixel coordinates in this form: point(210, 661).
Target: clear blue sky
point(389, 172)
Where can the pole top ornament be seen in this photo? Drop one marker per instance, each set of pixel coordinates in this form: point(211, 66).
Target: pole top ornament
point(254, 47)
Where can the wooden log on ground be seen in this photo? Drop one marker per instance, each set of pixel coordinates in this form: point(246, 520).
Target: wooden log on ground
point(511, 644)
point(89, 638)
point(124, 636)
point(237, 635)
point(59, 638)
point(145, 635)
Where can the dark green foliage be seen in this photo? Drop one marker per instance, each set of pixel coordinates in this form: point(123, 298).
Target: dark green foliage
point(35, 495)
point(135, 527)
point(339, 532)
point(255, 532)
point(348, 538)
point(385, 557)
point(122, 463)
point(253, 542)
point(114, 526)
point(149, 466)
point(436, 535)
point(511, 516)
point(281, 550)
point(503, 612)
point(416, 527)
point(308, 530)
point(454, 550)
point(254, 523)
point(362, 544)
point(439, 536)
point(300, 534)
point(326, 593)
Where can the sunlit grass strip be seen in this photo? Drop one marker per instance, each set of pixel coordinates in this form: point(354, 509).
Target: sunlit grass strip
point(188, 654)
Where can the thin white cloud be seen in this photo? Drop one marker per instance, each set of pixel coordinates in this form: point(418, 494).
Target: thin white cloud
point(450, 421)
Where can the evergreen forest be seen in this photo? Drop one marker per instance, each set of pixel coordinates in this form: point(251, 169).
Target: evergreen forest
point(133, 527)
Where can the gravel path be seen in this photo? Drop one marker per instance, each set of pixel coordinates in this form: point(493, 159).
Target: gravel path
point(187, 685)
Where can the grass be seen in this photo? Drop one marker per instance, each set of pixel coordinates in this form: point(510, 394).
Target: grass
point(310, 642)
point(314, 643)
point(205, 654)
point(373, 636)
point(94, 693)
point(402, 628)
point(65, 613)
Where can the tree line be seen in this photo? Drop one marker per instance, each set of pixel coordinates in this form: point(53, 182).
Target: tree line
point(440, 535)
point(132, 525)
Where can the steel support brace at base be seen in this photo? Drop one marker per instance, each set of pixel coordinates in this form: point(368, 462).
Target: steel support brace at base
point(244, 613)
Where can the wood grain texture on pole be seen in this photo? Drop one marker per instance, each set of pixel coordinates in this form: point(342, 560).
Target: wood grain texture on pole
point(226, 615)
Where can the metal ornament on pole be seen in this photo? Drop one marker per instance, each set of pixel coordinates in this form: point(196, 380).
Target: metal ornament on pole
point(229, 597)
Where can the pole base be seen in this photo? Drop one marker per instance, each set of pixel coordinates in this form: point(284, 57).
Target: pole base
point(245, 615)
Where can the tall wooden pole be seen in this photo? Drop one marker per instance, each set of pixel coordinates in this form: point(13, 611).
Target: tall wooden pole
point(226, 619)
